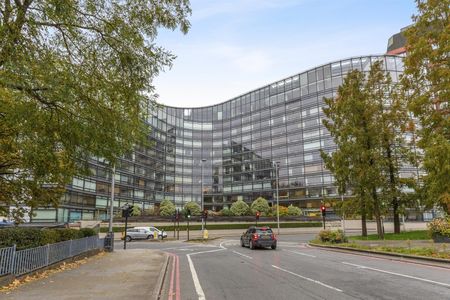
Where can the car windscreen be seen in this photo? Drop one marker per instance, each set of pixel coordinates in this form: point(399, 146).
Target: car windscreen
point(264, 230)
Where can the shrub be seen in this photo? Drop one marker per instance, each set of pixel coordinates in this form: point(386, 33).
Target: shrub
point(88, 232)
point(25, 238)
point(68, 234)
point(240, 208)
point(439, 227)
point(294, 211)
point(166, 208)
point(261, 205)
point(226, 212)
point(136, 211)
point(332, 236)
point(193, 207)
point(283, 211)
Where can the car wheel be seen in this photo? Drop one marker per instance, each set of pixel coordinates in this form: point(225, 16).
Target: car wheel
point(128, 238)
point(242, 243)
point(250, 245)
point(274, 246)
point(150, 237)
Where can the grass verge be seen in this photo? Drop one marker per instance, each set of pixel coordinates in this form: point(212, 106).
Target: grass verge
point(407, 235)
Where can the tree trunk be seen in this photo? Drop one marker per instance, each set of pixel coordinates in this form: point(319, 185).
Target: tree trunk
point(363, 217)
point(376, 208)
point(396, 215)
point(392, 183)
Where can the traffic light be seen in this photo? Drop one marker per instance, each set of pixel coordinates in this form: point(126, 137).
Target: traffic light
point(188, 213)
point(127, 211)
point(323, 209)
point(205, 214)
point(258, 214)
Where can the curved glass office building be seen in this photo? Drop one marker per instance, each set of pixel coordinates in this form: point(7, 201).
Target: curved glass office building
point(236, 143)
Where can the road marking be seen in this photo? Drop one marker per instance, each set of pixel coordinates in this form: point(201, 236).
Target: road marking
point(227, 241)
point(177, 285)
point(172, 277)
point(242, 254)
point(390, 259)
point(308, 279)
point(178, 247)
point(397, 274)
point(198, 287)
point(195, 253)
point(300, 253)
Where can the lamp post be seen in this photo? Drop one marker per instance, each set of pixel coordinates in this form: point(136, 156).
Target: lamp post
point(343, 213)
point(203, 220)
point(110, 235)
point(276, 166)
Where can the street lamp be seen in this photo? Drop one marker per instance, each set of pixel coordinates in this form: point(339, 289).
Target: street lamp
point(343, 213)
point(110, 236)
point(203, 220)
point(276, 166)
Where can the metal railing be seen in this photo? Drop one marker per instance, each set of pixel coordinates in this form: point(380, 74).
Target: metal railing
point(28, 260)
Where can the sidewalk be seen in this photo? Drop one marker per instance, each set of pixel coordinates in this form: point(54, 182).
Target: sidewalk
point(130, 274)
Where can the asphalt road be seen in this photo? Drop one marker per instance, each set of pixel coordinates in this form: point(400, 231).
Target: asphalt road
point(222, 269)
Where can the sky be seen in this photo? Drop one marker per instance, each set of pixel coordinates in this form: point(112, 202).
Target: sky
point(235, 46)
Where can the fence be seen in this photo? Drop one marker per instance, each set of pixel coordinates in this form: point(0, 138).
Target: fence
point(28, 260)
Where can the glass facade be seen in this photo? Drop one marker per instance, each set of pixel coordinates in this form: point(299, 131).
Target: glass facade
point(240, 140)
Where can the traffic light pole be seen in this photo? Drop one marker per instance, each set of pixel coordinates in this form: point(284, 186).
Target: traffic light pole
point(188, 229)
point(323, 219)
point(174, 225)
point(126, 228)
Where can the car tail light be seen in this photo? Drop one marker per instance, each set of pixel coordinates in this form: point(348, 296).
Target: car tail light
point(254, 236)
point(273, 236)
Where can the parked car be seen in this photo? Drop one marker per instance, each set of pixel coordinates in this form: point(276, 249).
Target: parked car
point(138, 234)
point(160, 233)
point(5, 223)
point(259, 237)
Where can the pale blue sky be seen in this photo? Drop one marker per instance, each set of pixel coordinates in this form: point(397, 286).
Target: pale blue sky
point(237, 46)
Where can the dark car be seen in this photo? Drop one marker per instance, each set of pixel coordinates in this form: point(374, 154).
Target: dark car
point(259, 237)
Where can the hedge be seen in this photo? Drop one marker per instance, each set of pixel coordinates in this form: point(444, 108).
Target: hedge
point(227, 226)
point(25, 238)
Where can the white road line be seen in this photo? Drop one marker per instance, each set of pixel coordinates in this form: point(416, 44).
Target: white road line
point(227, 241)
point(243, 254)
point(397, 274)
point(308, 279)
point(178, 247)
point(205, 251)
point(300, 253)
point(198, 287)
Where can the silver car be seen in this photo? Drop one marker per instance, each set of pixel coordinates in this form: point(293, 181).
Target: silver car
point(160, 233)
point(138, 234)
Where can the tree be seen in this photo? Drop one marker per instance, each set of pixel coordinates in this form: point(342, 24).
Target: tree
point(392, 119)
point(260, 204)
point(193, 207)
point(166, 208)
point(427, 86)
point(365, 121)
point(294, 210)
point(240, 208)
point(75, 83)
point(345, 161)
